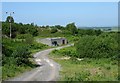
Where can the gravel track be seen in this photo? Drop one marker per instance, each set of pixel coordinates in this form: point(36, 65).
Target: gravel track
point(48, 71)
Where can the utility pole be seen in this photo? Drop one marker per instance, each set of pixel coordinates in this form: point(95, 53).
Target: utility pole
point(10, 21)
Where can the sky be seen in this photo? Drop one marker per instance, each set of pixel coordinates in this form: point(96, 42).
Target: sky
point(60, 0)
point(87, 14)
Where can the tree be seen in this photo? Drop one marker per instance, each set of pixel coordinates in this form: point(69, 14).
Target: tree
point(98, 32)
point(33, 31)
point(54, 30)
point(72, 28)
point(10, 19)
point(5, 29)
point(59, 27)
point(32, 24)
point(90, 32)
point(81, 32)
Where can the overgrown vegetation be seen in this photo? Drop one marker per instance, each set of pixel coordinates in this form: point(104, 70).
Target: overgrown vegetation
point(87, 69)
point(16, 55)
point(17, 51)
point(103, 46)
point(19, 28)
point(68, 51)
point(92, 45)
point(93, 58)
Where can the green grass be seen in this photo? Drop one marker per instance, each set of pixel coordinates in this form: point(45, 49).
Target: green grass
point(9, 71)
point(72, 39)
point(36, 47)
point(88, 69)
point(68, 51)
point(47, 33)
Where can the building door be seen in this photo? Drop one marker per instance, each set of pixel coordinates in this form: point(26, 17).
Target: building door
point(63, 42)
point(55, 43)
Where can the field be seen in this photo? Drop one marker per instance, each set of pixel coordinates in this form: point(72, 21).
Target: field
point(87, 69)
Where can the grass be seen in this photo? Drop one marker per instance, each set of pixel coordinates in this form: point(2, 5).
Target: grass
point(40, 47)
point(88, 69)
point(12, 71)
point(92, 70)
point(42, 33)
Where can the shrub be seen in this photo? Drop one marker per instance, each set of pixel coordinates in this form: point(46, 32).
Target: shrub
point(27, 37)
point(16, 56)
point(54, 30)
point(36, 45)
point(69, 51)
point(22, 55)
point(103, 46)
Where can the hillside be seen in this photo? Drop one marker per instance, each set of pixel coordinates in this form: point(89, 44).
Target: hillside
point(18, 50)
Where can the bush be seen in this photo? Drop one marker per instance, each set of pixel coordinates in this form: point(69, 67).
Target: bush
point(54, 30)
point(16, 55)
point(22, 55)
point(22, 36)
point(69, 51)
point(103, 46)
point(27, 37)
point(36, 45)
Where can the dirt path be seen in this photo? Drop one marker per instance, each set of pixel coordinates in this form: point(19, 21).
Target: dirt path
point(48, 71)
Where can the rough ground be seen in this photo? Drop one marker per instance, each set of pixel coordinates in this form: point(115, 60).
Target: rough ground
point(48, 71)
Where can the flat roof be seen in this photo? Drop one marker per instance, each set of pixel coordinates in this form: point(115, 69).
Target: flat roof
point(55, 38)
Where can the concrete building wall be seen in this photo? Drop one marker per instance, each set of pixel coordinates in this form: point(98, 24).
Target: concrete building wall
point(46, 41)
point(50, 41)
point(60, 41)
